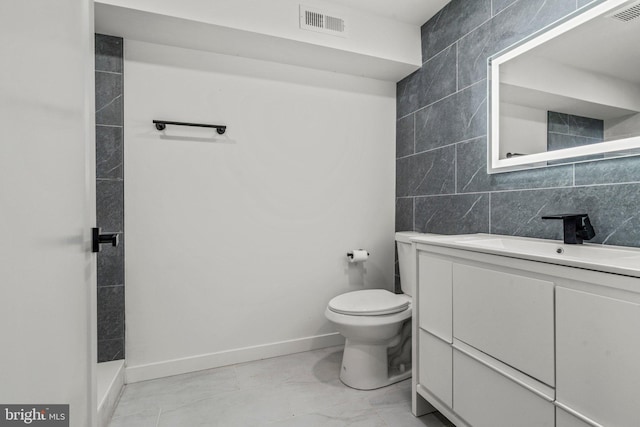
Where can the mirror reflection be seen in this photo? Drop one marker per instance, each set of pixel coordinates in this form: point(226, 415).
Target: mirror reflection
point(579, 88)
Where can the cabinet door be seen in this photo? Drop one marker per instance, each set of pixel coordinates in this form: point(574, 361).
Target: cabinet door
point(485, 398)
point(435, 368)
point(507, 316)
point(434, 295)
point(598, 354)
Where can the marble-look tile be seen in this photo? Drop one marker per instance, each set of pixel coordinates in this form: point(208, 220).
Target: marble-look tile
point(147, 418)
point(397, 395)
point(586, 126)
point(334, 417)
point(405, 136)
point(514, 23)
point(110, 205)
point(612, 209)
point(438, 77)
point(174, 392)
point(557, 122)
point(109, 67)
point(111, 264)
point(519, 213)
point(453, 214)
point(431, 172)
point(570, 124)
point(498, 6)
point(558, 141)
point(471, 169)
point(317, 398)
point(473, 177)
point(109, 152)
point(454, 21)
point(299, 389)
point(404, 214)
point(457, 118)
point(110, 312)
point(109, 350)
point(109, 105)
point(624, 169)
point(407, 94)
point(109, 53)
point(248, 407)
point(293, 370)
point(400, 416)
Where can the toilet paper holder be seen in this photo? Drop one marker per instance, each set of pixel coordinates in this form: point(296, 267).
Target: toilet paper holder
point(350, 254)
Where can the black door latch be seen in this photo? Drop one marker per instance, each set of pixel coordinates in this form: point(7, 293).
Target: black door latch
point(101, 239)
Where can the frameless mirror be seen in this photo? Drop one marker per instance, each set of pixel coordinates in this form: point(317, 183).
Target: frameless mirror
point(570, 93)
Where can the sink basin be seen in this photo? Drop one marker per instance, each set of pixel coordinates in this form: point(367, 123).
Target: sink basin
point(613, 259)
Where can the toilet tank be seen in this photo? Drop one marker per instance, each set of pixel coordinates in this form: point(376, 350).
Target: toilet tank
point(407, 260)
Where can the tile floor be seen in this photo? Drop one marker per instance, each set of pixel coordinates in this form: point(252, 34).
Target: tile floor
point(297, 390)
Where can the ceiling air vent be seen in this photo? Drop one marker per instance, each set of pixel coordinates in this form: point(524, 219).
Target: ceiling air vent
point(628, 13)
point(319, 21)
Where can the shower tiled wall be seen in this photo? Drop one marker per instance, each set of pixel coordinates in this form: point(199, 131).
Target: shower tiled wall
point(110, 194)
point(442, 185)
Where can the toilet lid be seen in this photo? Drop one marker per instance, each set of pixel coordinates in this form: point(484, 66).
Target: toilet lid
point(370, 302)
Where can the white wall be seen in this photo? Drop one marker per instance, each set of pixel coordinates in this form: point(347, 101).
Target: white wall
point(622, 127)
point(560, 87)
point(47, 206)
point(368, 33)
point(236, 243)
point(374, 47)
point(523, 130)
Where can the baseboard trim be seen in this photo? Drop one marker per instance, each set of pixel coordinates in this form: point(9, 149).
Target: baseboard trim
point(229, 357)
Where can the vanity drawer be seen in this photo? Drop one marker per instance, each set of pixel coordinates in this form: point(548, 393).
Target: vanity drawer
point(598, 354)
point(434, 295)
point(435, 372)
point(565, 419)
point(486, 398)
point(508, 316)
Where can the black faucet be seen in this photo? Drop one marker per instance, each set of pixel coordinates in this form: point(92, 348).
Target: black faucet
point(577, 227)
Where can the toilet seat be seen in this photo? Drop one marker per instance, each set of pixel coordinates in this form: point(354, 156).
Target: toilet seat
point(370, 302)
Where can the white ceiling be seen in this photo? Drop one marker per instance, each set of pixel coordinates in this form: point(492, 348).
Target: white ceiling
point(415, 12)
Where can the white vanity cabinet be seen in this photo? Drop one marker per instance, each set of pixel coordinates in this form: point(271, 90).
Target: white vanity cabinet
point(486, 397)
point(598, 356)
point(504, 341)
point(507, 316)
point(565, 419)
point(435, 326)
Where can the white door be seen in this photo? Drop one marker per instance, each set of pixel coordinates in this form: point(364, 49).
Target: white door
point(47, 206)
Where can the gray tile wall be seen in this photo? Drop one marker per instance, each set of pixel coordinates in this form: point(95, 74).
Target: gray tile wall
point(441, 181)
point(568, 131)
point(110, 194)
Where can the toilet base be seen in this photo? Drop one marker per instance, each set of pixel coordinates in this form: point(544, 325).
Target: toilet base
point(366, 367)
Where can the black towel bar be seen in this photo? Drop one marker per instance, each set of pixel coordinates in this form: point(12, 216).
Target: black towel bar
point(162, 124)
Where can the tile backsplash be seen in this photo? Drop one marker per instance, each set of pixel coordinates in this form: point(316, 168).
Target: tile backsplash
point(442, 185)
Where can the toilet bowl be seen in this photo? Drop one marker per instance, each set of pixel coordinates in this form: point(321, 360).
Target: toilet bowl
point(377, 326)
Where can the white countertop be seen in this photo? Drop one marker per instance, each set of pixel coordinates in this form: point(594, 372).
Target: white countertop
point(606, 258)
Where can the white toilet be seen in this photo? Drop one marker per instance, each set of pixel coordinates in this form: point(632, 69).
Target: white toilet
point(377, 326)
